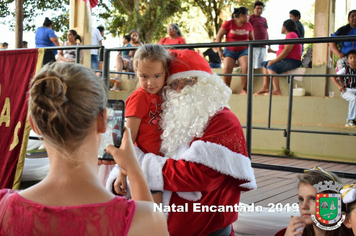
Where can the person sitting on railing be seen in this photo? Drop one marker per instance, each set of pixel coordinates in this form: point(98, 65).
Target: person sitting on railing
point(347, 86)
point(288, 58)
point(69, 55)
point(237, 29)
point(122, 64)
point(343, 47)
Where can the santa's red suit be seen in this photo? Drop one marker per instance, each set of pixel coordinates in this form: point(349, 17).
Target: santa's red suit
point(214, 169)
point(203, 179)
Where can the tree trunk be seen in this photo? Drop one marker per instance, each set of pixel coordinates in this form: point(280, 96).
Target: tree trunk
point(19, 23)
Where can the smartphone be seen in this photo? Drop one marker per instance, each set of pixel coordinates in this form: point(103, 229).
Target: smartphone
point(115, 126)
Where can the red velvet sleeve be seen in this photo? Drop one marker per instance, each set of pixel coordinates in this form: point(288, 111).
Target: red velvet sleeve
point(189, 177)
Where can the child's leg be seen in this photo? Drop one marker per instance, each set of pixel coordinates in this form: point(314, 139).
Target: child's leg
point(350, 96)
point(157, 197)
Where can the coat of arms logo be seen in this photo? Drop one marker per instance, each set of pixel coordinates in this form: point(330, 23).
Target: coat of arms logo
point(328, 206)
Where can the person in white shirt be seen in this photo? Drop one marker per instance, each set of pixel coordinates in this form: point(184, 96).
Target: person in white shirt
point(96, 39)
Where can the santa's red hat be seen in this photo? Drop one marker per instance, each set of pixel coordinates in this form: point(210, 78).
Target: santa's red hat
point(187, 63)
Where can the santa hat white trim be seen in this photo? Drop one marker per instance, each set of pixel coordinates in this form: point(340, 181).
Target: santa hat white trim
point(184, 74)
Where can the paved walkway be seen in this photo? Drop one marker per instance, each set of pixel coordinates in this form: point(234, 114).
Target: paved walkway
point(281, 186)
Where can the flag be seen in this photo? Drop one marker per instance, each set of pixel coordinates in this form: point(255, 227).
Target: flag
point(93, 3)
point(17, 67)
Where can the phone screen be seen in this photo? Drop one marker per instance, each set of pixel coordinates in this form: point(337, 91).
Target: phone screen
point(115, 127)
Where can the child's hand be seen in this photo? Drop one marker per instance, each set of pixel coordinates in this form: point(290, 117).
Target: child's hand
point(341, 88)
point(294, 226)
point(120, 184)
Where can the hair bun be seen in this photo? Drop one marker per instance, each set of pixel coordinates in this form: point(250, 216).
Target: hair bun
point(50, 90)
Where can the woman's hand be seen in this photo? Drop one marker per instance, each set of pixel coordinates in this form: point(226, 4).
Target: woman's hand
point(294, 226)
point(271, 62)
point(221, 55)
point(125, 156)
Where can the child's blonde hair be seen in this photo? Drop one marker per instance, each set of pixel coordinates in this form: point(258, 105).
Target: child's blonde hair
point(65, 99)
point(152, 52)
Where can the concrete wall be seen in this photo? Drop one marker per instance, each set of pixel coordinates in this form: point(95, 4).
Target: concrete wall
point(314, 86)
point(312, 112)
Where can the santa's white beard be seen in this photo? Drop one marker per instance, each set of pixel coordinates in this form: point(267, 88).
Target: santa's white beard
point(186, 113)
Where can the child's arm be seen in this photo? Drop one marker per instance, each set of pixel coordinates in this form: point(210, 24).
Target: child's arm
point(336, 82)
point(133, 123)
point(120, 184)
point(338, 85)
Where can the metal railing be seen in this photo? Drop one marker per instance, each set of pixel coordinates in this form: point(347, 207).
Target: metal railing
point(250, 76)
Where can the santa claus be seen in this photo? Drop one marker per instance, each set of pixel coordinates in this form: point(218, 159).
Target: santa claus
point(205, 165)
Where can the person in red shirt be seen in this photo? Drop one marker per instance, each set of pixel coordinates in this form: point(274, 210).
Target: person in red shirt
point(260, 26)
point(143, 106)
point(205, 163)
point(237, 29)
point(288, 58)
point(174, 36)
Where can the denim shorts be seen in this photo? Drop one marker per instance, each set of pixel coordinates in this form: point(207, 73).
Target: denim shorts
point(214, 65)
point(94, 62)
point(283, 65)
point(235, 55)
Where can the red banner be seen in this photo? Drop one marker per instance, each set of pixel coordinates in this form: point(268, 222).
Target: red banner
point(17, 67)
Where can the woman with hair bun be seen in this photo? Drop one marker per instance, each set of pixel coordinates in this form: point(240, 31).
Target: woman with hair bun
point(45, 37)
point(174, 36)
point(236, 29)
point(67, 107)
point(69, 55)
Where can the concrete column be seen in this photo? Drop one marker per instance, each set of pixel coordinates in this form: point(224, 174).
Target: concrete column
point(80, 22)
point(323, 17)
point(323, 24)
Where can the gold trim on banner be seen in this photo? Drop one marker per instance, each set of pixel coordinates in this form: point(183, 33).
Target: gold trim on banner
point(26, 134)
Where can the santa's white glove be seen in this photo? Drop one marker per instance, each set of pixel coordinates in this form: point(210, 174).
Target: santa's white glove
point(140, 155)
point(112, 177)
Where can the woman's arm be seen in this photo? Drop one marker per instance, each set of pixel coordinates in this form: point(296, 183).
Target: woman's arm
point(60, 54)
point(125, 157)
point(219, 37)
point(335, 50)
point(251, 36)
point(54, 40)
point(287, 49)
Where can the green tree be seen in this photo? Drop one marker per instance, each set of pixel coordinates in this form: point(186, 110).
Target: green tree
point(33, 9)
point(217, 11)
point(149, 17)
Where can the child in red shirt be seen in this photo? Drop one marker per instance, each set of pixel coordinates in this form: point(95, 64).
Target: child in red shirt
point(143, 107)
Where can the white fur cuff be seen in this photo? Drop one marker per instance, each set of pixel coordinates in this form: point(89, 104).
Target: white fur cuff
point(152, 166)
point(112, 177)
